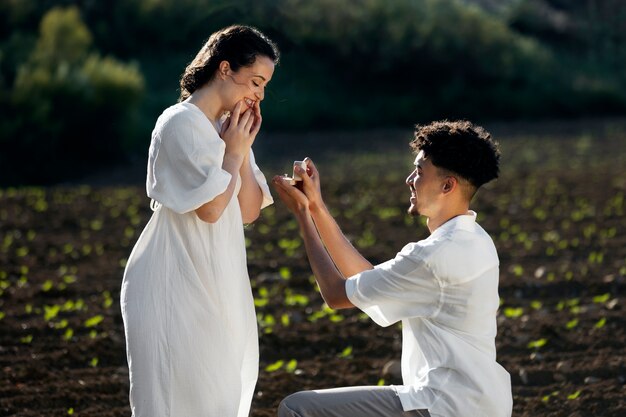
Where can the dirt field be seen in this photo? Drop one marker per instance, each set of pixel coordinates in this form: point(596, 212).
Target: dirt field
point(556, 216)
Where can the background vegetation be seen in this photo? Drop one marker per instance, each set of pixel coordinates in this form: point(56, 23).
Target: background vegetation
point(82, 82)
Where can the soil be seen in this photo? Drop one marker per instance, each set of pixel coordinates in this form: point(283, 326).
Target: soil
point(556, 216)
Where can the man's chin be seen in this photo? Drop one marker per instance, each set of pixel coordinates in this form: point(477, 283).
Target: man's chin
point(413, 211)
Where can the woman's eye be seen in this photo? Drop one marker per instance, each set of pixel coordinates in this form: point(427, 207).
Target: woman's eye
point(255, 83)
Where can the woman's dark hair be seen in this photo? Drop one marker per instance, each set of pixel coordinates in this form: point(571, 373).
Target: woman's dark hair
point(459, 147)
point(239, 45)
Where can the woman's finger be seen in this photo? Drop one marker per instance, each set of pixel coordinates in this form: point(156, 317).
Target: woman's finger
point(249, 122)
point(225, 126)
point(234, 118)
point(244, 118)
point(257, 125)
point(257, 108)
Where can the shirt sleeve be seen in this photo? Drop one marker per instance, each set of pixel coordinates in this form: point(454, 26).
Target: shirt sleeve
point(260, 179)
point(185, 164)
point(397, 289)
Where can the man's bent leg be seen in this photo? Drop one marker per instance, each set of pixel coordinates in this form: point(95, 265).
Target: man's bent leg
point(367, 401)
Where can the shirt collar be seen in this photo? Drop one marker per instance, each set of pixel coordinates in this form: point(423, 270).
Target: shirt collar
point(464, 222)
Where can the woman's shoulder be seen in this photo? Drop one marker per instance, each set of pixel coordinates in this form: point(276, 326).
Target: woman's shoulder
point(181, 113)
point(183, 117)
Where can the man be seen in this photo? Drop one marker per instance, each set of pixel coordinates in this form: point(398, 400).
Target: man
point(443, 288)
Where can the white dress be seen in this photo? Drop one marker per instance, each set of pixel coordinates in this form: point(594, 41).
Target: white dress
point(187, 305)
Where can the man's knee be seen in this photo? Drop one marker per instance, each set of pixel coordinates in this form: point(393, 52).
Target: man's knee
point(294, 405)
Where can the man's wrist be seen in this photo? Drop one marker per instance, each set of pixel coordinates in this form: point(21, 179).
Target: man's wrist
point(303, 215)
point(317, 207)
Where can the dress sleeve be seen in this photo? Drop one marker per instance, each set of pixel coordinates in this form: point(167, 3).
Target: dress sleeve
point(185, 164)
point(260, 179)
point(397, 289)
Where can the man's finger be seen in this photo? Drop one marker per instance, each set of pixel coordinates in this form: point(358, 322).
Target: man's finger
point(306, 179)
point(287, 187)
point(282, 189)
point(310, 166)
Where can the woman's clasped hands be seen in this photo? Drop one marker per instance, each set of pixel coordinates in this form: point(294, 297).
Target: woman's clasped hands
point(240, 129)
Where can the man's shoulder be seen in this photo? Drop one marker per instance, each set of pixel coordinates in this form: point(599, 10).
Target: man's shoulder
point(456, 255)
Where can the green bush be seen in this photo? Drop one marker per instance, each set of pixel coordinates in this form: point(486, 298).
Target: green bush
point(71, 109)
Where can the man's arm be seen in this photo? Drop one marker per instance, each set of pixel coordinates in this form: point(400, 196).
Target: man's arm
point(331, 282)
point(346, 257)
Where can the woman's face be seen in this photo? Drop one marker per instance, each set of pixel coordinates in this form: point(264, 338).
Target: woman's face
point(248, 83)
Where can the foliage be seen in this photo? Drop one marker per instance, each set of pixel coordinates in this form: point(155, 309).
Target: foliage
point(361, 63)
point(71, 108)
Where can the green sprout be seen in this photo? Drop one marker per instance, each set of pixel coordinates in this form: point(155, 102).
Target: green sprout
point(535, 344)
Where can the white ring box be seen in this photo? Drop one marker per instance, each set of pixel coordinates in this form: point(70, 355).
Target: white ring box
point(296, 177)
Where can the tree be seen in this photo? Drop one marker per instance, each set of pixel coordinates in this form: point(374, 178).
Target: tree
point(72, 110)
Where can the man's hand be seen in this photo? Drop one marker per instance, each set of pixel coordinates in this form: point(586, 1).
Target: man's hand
point(294, 199)
point(311, 184)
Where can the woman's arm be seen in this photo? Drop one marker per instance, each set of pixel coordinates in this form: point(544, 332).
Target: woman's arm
point(250, 195)
point(238, 135)
point(211, 211)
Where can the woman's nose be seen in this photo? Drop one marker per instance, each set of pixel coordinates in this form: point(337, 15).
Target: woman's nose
point(260, 95)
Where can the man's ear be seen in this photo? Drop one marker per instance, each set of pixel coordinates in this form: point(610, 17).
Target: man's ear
point(449, 184)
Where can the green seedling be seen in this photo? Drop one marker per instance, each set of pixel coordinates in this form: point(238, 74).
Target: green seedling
point(536, 344)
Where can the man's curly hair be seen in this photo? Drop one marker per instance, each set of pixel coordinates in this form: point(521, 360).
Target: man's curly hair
point(461, 148)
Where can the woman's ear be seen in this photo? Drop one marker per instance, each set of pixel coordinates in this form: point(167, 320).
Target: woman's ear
point(223, 69)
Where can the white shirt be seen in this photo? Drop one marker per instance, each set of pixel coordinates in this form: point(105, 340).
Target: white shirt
point(445, 291)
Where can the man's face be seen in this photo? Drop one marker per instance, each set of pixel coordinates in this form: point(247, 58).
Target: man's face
point(425, 184)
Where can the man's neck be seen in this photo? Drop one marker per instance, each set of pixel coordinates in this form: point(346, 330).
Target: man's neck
point(434, 222)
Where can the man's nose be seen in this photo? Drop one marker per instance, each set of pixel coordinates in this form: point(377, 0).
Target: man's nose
point(410, 178)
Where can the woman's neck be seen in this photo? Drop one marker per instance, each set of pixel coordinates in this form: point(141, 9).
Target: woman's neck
point(207, 100)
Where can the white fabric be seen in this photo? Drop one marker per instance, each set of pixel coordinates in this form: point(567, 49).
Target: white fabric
point(445, 291)
point(187, 305)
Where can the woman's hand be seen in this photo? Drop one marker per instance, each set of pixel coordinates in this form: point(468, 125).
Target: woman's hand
point(240, 130)
point(294, 199)
point(311, 184)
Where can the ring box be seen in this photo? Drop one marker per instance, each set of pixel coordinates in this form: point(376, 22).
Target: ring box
point(296, 178)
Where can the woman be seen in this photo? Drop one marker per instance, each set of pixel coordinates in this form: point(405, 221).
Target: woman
point(188, 309)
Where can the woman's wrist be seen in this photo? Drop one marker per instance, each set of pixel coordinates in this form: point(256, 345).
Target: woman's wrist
point(232, 161)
